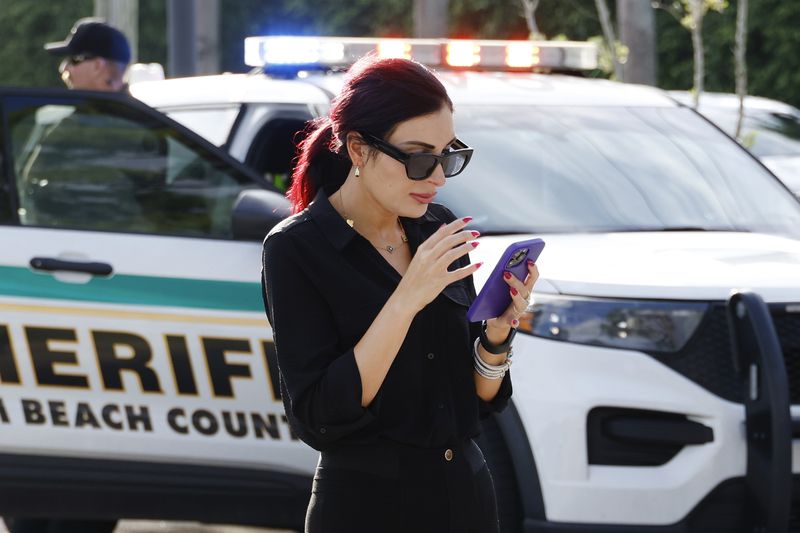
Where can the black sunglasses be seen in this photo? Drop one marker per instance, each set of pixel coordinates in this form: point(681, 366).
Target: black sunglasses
point(79, 58)
point(420, 166)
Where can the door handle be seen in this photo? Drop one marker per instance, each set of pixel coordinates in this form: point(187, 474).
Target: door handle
point(49, 264)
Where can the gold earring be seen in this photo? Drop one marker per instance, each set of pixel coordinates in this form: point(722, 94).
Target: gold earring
point(358, 172)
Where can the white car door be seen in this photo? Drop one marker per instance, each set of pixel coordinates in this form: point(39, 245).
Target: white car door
point(131, 322)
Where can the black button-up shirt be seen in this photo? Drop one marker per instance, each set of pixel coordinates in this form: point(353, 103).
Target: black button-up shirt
point(324, 284)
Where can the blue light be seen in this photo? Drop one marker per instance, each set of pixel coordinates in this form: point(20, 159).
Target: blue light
point(264, 51)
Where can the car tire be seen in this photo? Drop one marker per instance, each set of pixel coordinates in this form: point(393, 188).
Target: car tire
point(509, 506)
point(45, 525)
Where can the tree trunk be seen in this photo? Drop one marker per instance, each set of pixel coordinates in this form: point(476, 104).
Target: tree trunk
point(696, 7)
point(207, 19)
point(123, 15)
point(181, 35)
point(741, 62)
point(637, 31)
point(529, 8)
point(611, 40)
point(430, 18)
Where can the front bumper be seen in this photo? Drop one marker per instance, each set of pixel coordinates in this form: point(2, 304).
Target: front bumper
point(747, 468)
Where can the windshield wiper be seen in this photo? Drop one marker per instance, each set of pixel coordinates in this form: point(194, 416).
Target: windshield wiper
point(683, 228)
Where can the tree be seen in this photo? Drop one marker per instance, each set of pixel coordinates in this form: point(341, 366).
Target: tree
point(741, 64)
point(611, 40)
point(691, 13)
point(26, 26)
point(430, 18)
point(529, 9)
point(637, 33)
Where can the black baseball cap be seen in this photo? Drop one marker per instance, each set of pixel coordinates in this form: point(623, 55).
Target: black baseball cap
point(93, 37)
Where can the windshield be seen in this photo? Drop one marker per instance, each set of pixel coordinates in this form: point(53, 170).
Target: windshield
point(568, 169)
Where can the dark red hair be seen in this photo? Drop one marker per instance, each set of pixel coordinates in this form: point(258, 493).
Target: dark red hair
point(377, 95)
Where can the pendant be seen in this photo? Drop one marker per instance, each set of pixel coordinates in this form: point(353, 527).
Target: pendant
point(349, 222)
point(389, 248)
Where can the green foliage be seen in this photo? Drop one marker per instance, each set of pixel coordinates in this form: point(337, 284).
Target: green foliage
point(772, 43)
point(681, 9)
point(487, 19)
point(152, 31)
point(26, 26)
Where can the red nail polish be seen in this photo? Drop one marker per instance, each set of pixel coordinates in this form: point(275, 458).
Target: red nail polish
point(507, 275)
point(474, 244)
point(530, 262)
point(514, 323)
point(467, 219)
point(514, 291)
point(476, 234)
point(478, 265)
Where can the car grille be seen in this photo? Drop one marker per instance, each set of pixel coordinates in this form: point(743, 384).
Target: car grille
point(707, 359)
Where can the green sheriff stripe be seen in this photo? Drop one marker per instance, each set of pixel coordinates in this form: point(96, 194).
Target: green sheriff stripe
point(137, 290)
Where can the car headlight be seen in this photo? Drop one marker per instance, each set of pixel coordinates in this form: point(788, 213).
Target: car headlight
point(646, 325)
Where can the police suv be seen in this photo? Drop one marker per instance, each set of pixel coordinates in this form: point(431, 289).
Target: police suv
point(657, 374)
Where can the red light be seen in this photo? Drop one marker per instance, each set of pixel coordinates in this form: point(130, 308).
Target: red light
point(463, 54)
point(394, 48)
point(522, 55)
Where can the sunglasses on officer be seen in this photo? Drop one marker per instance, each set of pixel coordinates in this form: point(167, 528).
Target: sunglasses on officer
point(420, 165)
point(79, 58)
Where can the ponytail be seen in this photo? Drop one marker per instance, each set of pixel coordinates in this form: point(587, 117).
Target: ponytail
point(320, 165)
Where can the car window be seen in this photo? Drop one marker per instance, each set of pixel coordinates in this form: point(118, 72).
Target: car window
point(213, 123)
point(558, 169)
point(272, 152)
point(103, 165)
point(5, 186)
point(767, 134)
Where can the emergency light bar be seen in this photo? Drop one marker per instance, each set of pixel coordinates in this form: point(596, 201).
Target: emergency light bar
point(315, 53)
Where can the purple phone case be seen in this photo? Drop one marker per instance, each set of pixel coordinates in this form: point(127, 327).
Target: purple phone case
point(494, 297)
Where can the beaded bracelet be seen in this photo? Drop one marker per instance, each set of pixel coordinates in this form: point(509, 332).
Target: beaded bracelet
point(486, 370)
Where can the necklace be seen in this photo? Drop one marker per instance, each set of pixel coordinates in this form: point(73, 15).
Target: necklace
point(346, 218)
point(388, 247)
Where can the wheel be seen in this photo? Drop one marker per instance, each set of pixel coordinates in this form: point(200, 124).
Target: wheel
point(509, 507)
point(47, 525)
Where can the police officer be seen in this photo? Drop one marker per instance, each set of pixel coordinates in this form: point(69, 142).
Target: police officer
point(96, 56)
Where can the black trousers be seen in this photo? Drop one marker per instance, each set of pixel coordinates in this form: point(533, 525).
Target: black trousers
point(398, 488)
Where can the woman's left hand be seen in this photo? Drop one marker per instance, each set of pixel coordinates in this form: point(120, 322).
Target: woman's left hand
point(520, 300)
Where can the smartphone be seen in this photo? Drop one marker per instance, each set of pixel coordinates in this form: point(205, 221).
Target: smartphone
point(494, 297)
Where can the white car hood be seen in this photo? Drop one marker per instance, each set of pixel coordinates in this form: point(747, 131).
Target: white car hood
point(669, 265)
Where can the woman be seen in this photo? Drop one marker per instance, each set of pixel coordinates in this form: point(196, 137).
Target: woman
point(380, 369)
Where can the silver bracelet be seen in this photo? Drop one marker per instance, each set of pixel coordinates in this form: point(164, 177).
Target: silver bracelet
point(486, 370)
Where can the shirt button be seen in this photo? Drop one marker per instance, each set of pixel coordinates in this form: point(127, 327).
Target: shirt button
point(448, 454)
point(323, 430)
point(431, 356)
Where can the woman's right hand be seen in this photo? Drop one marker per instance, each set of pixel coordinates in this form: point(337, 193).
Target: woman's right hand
point(427, 274)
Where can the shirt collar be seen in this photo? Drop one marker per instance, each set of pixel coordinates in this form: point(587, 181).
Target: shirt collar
point(330, 222)
point(339, 232)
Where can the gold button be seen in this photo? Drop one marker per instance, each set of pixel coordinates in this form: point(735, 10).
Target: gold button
point(448, 454)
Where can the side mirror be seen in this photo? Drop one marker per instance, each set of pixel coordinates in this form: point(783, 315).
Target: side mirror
point(256, 212)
